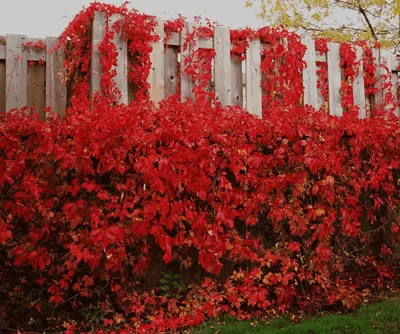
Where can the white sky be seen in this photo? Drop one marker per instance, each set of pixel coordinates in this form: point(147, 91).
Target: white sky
point(41, 18)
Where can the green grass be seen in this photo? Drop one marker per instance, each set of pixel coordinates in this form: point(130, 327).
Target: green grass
point(380, 317)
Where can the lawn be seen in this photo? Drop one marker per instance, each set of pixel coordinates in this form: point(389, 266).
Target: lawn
point(379, 317)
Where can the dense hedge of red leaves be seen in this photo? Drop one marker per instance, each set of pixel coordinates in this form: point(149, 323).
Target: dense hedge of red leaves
point(295, 212)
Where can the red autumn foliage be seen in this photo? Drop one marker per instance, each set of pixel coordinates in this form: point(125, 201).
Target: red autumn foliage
point(302, 206)
point(295, 211)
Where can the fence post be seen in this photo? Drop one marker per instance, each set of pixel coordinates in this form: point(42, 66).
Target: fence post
point(156, 76)
point(310, 74)
point(334, 79)
point(56, 92)
point(186, 81)
point(98, 32)
point(358, 85)
point(16, 72)
point(377, 63)
point(223, 81)
point(121, 78)
point(253, 78)
point(171, 64)
point(237, 81)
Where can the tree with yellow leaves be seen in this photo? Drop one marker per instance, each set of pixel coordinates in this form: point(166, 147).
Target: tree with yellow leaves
point(341, 20)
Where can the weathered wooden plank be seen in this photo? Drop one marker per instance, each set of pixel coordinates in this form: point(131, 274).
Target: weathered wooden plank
point(205, 43)
point(253, 78)
point(2, 52)
point(395, 81)
point(174, 39)
point(171, 70)
point(156, 76)
point(186, 52)
point(377, 62)
point(98, 32)
point(358, 85)
point(36, 89)
point(237, 81)
point(334, 79)
point(386, 69)
point(16, 72)
point(222, 46)
point(33, 55)
point(56, 92)
point(2, 86)
point(390, 61)
point(310, 74)
point(121, 78)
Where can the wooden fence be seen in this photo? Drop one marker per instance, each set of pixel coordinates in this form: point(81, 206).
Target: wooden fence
point(235, 82)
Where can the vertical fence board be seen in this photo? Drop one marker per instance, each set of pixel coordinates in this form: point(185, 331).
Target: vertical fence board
point(16, 72)
point(156, 76)
point(386, 70)
point(2, 86)
point(171, 71)
point(320, 98)
point(377, 62)
point(36, 89)
point(98, 32)
point(310, 73)
point(237, 81)
point(334, 79)
point(395, 81)
point(56, 92)
point(121, 78)
point(186, 81)
point(358, 85)
point(253, 78)
point(223, 82)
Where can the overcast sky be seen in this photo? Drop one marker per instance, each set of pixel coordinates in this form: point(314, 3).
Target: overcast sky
point(41, 18)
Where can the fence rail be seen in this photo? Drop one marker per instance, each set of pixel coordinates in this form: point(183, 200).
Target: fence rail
point(235, 82)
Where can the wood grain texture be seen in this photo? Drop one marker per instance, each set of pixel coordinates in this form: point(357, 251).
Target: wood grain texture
point(334, 79)
point(171, 70)
point(253, 78)
point(358, 86)
point(156, 76)
point(56, 92)
point(16, 72)
point(223, 81)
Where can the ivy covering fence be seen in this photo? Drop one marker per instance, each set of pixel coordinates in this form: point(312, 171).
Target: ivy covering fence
point(148, 219)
